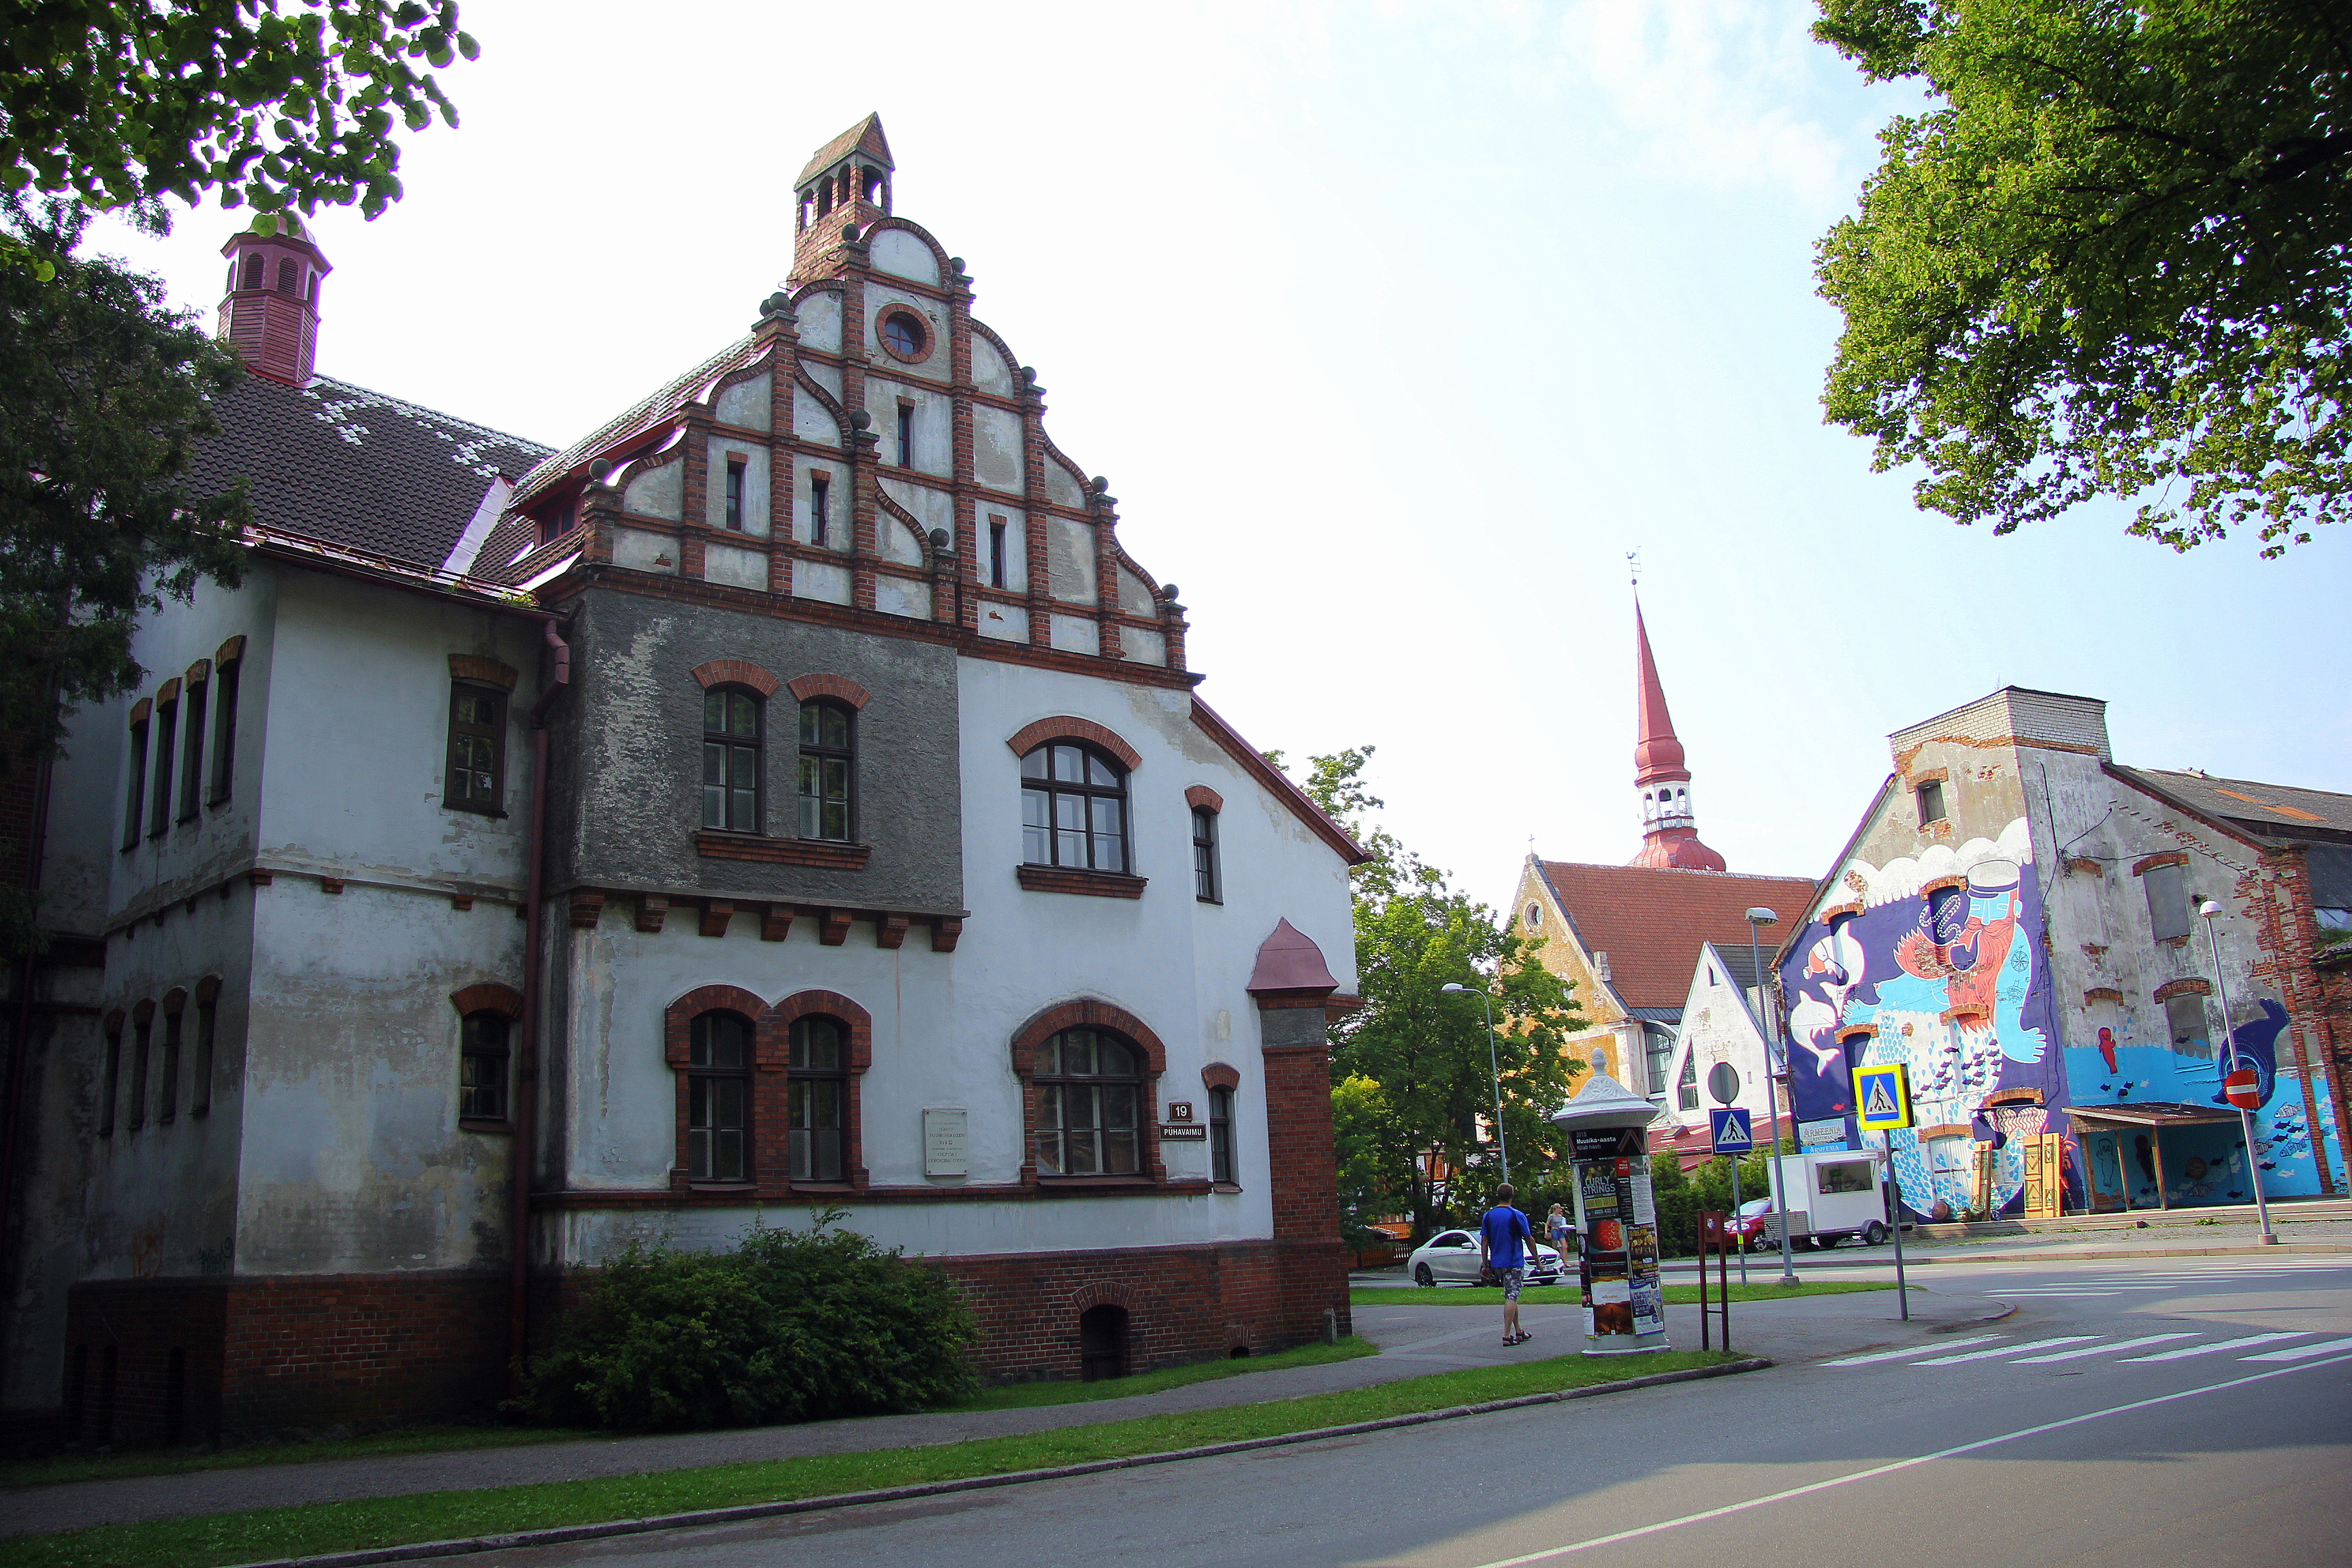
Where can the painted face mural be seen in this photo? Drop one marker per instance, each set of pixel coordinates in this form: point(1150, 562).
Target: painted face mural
point(1938, 968)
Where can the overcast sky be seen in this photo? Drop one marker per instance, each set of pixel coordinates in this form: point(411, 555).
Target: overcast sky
point(1395, 328)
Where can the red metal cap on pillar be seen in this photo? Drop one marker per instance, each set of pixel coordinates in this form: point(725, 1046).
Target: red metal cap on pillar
point(270, 314)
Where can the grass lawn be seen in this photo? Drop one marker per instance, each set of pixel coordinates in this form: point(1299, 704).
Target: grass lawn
point(62, 1468)
point(1553, 1295)
point(213, 1539)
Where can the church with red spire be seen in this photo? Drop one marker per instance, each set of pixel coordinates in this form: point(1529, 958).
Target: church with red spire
point(1629, 936)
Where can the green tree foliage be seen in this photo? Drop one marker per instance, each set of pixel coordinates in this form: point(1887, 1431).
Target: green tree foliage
point(793, 1325)
point(103, 400)
point(1411, 1065)
point(2112, 257)
point(116, 104)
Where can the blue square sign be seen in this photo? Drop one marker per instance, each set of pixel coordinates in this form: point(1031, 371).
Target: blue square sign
point(1733, 1133)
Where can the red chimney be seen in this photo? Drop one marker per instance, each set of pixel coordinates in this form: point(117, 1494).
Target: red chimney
point(271, 312)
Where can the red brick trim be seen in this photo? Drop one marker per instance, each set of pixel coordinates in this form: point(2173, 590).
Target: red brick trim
point(1939, 884)
point(1092, 884)
point(2192, 986)
point(1065, 727)
point(776, 921)
point(839, 686)
point(2013, 1096)
point(230, 651)
point(585, 909)
point(2098, 993)
point(931, 332)
point(143, 1010)
point(208, 989)
point(1275, 782)
point(1946, 1130)
point(946, 932)
point(1092, 1013)
point(488, 671)
point(1928, 776)
point(652, 910)
point(736, 672)
point(200, 672)
point(1220, 1075)
point(175, 1001)
point(139, 711)
point(1202, 795)
point(678, 1018)
point(168, 693)
point(2169, 857)
point(715, 843)
point(2080, 863)
point(717, 915)
point(1857, 1032)
point(488, 996)
point(114, 1022)
point(1835, 911)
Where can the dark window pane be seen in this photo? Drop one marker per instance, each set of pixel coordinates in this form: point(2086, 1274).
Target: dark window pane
point(1069, 765)
point(714, 710)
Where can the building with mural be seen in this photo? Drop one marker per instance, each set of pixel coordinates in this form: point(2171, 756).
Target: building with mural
point(2016, 918)
point(792, 795)
point(1626, 936)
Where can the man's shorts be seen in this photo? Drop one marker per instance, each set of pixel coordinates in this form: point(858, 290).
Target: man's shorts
point(1513, 1281)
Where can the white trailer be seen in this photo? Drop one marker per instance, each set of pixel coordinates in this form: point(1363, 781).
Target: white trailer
point(1837, 1196)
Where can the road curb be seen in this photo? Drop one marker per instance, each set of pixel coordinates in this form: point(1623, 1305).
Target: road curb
point(557, 1535)
point(2284, 1248)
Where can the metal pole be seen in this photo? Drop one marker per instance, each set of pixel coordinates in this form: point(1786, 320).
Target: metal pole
point(1735, 1207)
point(1495, 1073)
point(2245, 1117)
point(1772, 1103)
point(1888, 1195)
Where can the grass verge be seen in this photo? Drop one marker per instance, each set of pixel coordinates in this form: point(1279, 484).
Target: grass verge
point(65, 1468)
point(213, 1539)
point(1676, 1295)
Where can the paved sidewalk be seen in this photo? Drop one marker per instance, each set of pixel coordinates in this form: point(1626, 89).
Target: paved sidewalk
point(1414, 1341)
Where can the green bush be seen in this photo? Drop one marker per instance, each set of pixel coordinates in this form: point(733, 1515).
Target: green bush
point(793, 1325)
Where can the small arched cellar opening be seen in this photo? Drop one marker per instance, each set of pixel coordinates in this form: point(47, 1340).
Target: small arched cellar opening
point(1102, 1343)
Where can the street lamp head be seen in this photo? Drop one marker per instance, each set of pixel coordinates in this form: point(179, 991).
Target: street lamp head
point(2210, 909)
point(1449, 986)
point(1761, 917)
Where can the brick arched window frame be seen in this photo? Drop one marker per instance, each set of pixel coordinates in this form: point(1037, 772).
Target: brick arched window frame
point(781, 1109)
point(1223, 1082)
point(1065, 727)
point(677, 1050)
point(735, 672)
point(1090, 1013)
point(485, 1016)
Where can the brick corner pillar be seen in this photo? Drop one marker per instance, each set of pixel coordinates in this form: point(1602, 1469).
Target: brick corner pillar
point(1291, 986)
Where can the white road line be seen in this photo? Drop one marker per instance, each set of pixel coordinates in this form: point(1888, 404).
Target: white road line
point(1914, 1350)
point(2109, 1350)
point(2007, 1349)
point(1876, 1470)
point(2048, 1295)
point(2302, 1352)
point(2224, 1346)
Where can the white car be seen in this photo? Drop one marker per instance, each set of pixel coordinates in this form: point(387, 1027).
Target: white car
point(1451, 1258)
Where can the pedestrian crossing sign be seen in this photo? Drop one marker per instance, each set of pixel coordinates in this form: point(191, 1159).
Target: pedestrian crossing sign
point(1882, 1098)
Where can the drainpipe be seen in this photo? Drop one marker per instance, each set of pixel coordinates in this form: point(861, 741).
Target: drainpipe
point(21, 1037)
point(526, 1123)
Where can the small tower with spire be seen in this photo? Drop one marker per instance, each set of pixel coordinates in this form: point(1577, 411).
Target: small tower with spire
point(270, 314)
point(1669, 838)
point(847, 182)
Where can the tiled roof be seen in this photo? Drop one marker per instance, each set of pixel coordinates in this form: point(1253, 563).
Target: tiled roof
point(2273, 810)
point(638, 417)
point(865, 137)
point(338, 463)
point(1651, 922)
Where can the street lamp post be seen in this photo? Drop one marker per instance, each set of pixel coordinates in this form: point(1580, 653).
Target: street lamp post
point(1494, 1073)
point(2212, 913)
point(1757, 919)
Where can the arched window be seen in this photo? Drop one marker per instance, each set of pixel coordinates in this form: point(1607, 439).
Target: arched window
point(288, 274)
point(730, 760)
point(819, 1098)
point(1073, 808)
point(1089, 1095)
point(719, 1095)
point(826, 752)
point(1221, 1135)
point(252, 270)
point(482, 1067)
point(1207, 885)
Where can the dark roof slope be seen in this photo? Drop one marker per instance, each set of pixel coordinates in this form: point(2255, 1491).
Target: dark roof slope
point(1651, 921)
point(337, 462)
point(2272, 810)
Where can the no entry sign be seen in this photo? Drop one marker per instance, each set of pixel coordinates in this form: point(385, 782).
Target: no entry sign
point(2243, 1089)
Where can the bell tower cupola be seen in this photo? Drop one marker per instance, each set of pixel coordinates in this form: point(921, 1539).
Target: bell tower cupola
point(847, 182)
point(270, 314)
point(1669, 831)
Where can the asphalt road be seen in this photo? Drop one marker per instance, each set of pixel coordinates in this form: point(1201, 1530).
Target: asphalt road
point(2146, 1413)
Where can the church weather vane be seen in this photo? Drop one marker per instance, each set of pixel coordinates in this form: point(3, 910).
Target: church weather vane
point(1633, 568)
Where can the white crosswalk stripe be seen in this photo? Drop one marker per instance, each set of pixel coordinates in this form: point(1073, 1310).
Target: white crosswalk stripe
point(2006, 1350)
point(2301, 1352)
point(1914, 1350)
point(2225, 1345)
point(2105, 1350)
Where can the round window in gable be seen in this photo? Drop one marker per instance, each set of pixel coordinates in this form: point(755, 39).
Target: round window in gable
point(906, 336)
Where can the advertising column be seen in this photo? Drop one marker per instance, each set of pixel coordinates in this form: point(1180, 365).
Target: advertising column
point(1616, 1218)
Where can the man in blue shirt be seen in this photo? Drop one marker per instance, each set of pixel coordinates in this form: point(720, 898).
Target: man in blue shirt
point(1503, 1240)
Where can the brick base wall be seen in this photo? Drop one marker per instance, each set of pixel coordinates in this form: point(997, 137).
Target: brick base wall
point(155, 1361)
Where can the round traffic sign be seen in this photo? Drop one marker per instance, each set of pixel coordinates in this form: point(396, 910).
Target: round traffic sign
point(1723, 1082)
point(2243, 1089)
